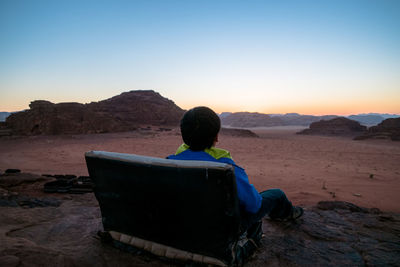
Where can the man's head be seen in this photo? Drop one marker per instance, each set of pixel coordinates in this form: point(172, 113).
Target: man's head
point(200, 127)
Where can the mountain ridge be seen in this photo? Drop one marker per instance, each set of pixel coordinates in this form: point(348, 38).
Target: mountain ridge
point(233, 119)
point(256, 119)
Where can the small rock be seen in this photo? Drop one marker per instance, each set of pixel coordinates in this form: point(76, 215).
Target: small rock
point(13, 171)
point(324, 185)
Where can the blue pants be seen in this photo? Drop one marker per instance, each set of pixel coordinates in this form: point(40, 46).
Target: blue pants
point(275, 204)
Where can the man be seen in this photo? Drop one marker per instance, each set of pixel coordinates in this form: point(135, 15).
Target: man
point(199, 128)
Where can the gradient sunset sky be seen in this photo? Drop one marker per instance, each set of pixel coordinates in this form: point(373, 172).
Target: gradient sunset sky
point(310, 57)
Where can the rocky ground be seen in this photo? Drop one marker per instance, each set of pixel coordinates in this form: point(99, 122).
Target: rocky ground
point(40, 229)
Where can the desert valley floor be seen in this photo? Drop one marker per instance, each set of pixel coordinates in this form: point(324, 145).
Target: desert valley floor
point(308, 168)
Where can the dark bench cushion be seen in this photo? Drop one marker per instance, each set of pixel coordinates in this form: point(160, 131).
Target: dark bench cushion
point(187, 205)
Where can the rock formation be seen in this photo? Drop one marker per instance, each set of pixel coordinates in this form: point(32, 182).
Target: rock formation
point(339, 126)
point(124, 112)
point(45, 233)
point(387, 129)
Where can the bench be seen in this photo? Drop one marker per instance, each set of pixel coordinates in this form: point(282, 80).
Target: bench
point(182, 210)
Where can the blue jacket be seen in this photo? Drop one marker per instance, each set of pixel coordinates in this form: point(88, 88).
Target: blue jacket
point(248, 196)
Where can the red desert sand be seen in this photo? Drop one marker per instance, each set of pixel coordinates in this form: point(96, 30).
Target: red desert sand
point(308, 168)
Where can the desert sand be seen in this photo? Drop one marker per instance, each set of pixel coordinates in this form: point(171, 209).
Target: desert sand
point(308, 168)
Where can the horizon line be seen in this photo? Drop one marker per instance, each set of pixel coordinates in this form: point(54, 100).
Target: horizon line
point(257, 112)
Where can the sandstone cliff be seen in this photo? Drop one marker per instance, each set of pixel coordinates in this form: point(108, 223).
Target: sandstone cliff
point(124, 112)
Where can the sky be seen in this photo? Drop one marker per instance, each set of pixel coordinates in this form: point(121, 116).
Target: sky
point(310, 57)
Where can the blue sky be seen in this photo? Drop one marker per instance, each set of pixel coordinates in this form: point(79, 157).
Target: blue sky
point(311, 57)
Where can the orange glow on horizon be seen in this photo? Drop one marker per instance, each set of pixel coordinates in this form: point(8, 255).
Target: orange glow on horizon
point(308, 111)
point(343, 109)
point(318, 110)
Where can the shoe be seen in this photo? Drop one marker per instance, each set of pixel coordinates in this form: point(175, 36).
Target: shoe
point(254, 233)
point(296, 213)
point(245, 248)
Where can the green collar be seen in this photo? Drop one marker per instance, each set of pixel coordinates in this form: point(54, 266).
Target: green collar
point(216, 153)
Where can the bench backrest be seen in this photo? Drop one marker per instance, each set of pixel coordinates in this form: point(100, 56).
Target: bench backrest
point(188, 205)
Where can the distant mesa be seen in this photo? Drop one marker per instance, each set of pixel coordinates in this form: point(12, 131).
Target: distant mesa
point(4, 115)
point(367, 120)
point(337, 127)
point(248, 120)
point(254, 119)
point(124, 112)
point(292, 114)
point(387, 129)
point(224, 114)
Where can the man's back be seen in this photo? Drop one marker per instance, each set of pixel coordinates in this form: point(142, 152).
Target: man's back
point(249, 198)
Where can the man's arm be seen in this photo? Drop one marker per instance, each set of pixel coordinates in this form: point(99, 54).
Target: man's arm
point(247, 194)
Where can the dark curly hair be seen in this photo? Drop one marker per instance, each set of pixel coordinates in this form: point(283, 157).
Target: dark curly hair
point(199, 127)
